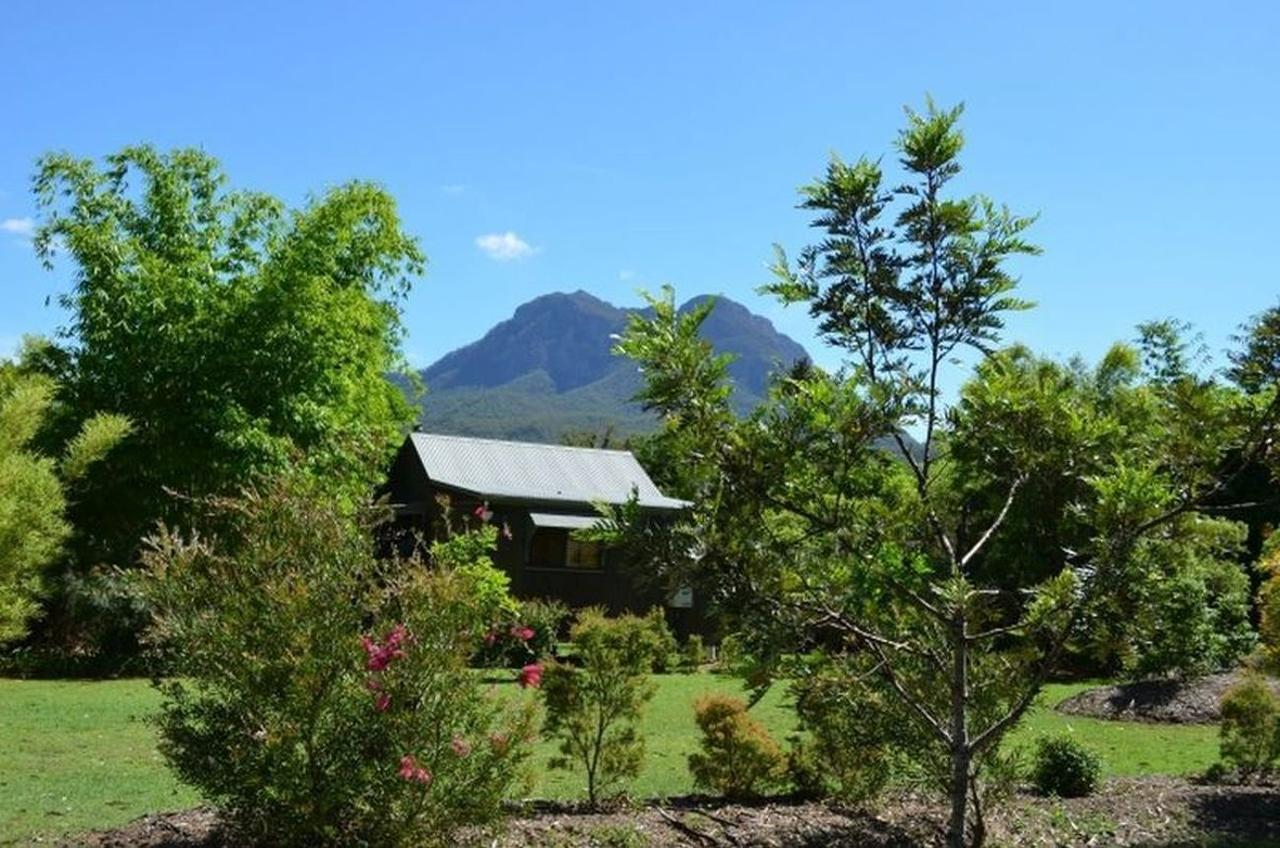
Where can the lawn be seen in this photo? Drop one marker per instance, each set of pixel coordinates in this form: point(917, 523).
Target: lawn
point(79, 755)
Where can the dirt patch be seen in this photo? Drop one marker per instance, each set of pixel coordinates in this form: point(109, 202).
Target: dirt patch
point(1171, 701)
point(1140, 812)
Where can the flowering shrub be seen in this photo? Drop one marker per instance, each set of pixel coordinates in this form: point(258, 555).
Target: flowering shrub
point(321, 695)
point(529, 636)
point(594, 709)
point(738, 758)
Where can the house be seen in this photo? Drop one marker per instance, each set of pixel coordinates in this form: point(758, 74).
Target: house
point(537, 495)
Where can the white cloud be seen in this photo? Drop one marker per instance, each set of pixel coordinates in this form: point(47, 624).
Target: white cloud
point(505, 247)
point(24, 227)
point(626, 274)
point(453, 189)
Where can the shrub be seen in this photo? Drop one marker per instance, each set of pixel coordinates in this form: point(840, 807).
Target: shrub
point(694, 654)
point(321, 695)
point(1268, 568)
point(1064, 767)
point(1249, 737)
point(664, 650)
point(594, 708)
point(850, 737)
point(729, 654)
point(738, 758)
point(529, 635)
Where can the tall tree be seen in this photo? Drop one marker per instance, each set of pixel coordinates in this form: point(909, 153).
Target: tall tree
point(235, 333)
point(33, 490)
point(814, 536)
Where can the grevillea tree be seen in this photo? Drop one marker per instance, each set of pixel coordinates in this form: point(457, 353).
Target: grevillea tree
point(321, 695)
point(940, 579)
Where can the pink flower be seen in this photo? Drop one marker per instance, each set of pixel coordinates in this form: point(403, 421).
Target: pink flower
point(460, 746)
point(522, 632)
point(491, 637)
point(506, 531)
point(380, 656)
point(500, 743)
point(482, 512)
point(530, 676)
point(383, 703)
point(410, 770)
point(373, 684)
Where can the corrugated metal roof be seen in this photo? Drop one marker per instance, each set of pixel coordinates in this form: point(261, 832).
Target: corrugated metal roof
point(526, 471)
point(565, 521)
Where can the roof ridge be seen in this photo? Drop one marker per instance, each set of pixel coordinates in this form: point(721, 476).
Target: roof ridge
point(518, 443)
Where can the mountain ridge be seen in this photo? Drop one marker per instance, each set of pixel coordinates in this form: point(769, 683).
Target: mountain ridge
point(548, 370)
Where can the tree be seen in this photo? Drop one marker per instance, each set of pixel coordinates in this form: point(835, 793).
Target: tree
point(816, 538)
point(234, 333)
point(33, 490)
point(594, 709)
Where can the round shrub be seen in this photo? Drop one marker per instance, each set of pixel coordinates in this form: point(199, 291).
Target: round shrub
point(1249, 737)
point(1064, 767)
point(738, 758)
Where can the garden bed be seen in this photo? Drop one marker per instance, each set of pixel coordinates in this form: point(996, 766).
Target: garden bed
point(1127, 812)
point(1168, 701)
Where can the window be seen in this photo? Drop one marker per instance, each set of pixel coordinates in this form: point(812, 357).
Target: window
point(556, 548)
point(582, 554)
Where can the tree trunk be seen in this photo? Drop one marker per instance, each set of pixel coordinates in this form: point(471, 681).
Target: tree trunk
point(960, 750)
point(959, 793)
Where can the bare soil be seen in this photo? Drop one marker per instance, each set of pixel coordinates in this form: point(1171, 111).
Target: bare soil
point(1171, 701)
point(1140, 812)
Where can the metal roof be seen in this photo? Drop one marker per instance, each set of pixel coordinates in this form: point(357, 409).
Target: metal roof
point(497, 469)
point(563, 520)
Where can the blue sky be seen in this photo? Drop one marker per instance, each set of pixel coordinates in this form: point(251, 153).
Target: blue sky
point(537, 147)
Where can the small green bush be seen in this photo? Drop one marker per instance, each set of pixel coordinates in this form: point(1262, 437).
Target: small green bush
point(594, 708)
point(738, 758)
point(1064, 767)
point(665, 649)
point(1249, 737)
point(694, 654)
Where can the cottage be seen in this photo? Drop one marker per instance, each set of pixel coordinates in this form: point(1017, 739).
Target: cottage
point(538, 494)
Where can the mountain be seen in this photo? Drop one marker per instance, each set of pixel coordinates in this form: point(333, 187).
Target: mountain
point(548, 370)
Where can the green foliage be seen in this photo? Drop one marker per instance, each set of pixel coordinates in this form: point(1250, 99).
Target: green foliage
point(1249, 736)
point(529, 636)
point(1054, 508)
point(854, 738)
point(233, 332)
point(1268, 600)
point(33, 491)
point(1255, 365)
point(737, 757)
point(694, 653)
point(1065, 767)
point(321, 695)
point(594, 708)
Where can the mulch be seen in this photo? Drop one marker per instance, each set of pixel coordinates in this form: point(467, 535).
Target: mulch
point(1166, 701)
point(1126, 812)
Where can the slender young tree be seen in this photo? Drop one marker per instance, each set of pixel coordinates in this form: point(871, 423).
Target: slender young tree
point(814, 536)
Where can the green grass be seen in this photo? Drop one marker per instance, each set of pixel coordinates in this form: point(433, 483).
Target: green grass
point(78, 755)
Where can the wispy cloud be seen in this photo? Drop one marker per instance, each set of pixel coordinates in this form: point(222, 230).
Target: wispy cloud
point(504, 247)
point(627, 275)
point(453, 189)
point(23, 227)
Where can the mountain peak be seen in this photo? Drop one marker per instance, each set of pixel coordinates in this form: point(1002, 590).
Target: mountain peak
point(549, 369)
